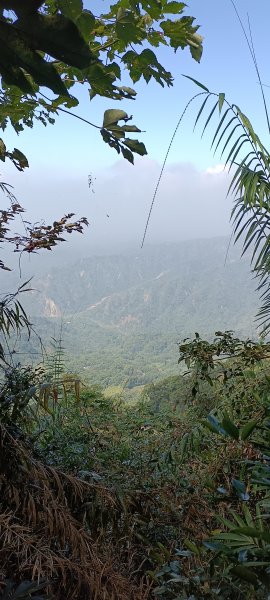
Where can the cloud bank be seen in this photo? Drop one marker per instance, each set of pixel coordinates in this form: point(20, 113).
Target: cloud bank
point(189, 203)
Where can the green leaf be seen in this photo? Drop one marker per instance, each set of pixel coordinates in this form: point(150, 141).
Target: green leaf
point(233, 158)
point(63, 43)
point(215, 546)
point(128, 90)
point(2, 150)
point(128, 27)
point(233, 538)
point(240, 489)
point(127, 154)
point(116, 131)
point(14, 76)
point(237, 519)
point(213, 424)
point(86, 23)
point(191, 546)
point(201, 110)
point(229, 138)
point(245, 574)
point(220, 125)
point(196, 50)
point(130, 128)
point(247, 124)
point(59, 37)
point(230, 427)
point(19, 159)
point(115, 69)
point(181, 33)
point(16, 53)
point(147, 56)
point(146, 65)
point(71, 8)
point(136, 146)
point(227, 126)
point(113, 115)
point(209, 117)
point(248, 429)
point(221, 98)
point(197, 83)
point(173, 7)
point(152, 7)
point(254, 533)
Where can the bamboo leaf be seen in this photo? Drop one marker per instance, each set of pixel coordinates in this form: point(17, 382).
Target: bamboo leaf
point(197, 83)
point(223, 132)
point(245, 574)
point(220, 125)
point(247, 430)
point(254, 533)
point(230, 427)
point(238, 148)
point(221, 98)
point(201, 110)
point(229, 138)
point(209, 117)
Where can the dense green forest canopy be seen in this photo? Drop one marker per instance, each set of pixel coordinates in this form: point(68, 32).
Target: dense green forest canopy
point(123, 315)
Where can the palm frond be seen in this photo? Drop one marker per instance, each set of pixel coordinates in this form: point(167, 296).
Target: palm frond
point(250, 186)
point(242, 152)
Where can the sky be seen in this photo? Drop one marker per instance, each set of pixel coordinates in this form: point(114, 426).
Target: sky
point(191, 201)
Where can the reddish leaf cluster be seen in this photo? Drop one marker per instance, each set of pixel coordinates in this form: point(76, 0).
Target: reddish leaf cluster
point(37, 236)
point(47, 236)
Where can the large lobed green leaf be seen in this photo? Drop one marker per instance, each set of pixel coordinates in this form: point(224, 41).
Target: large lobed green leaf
point(57, 43)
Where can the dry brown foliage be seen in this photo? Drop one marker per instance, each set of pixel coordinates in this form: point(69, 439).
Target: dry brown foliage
point(42, 535)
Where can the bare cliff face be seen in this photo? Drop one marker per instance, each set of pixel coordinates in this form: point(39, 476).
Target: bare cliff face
point(51, 309)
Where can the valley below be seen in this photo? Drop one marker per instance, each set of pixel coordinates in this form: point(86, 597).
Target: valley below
point(121, 317)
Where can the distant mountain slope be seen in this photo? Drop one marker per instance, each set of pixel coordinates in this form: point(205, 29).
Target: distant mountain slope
point(123, 315)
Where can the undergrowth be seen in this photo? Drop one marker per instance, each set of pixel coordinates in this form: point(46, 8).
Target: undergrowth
point(164, 499)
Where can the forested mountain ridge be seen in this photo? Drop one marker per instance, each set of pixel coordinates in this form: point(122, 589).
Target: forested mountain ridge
point(138, 287)
point(123, 315)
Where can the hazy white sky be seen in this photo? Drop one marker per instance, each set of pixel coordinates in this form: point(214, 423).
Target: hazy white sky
point(192, 198)
point(191, 203)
